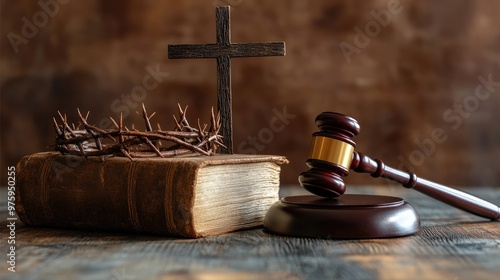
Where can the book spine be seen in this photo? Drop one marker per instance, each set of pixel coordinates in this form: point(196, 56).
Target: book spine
point(114, 195)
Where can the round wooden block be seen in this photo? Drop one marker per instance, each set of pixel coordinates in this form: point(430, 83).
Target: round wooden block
point(350, 216)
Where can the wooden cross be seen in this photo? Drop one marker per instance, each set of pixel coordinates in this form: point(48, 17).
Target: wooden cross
point(224, 50)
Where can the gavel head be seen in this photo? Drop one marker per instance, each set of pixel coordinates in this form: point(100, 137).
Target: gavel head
point(331, 154)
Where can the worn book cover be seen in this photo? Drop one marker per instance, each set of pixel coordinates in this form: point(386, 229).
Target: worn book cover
point(181, 196)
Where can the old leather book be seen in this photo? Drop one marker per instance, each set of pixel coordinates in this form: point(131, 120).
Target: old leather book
point(184, 196)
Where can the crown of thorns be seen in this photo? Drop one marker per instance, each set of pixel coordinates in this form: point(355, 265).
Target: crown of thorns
point(132, 143)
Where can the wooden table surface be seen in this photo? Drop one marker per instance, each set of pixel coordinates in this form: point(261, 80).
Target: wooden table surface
point(451, 245)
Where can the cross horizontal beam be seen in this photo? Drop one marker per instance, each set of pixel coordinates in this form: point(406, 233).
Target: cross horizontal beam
point(232, 50)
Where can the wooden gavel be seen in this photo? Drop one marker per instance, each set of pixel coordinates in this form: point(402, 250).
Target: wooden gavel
point(332, 155)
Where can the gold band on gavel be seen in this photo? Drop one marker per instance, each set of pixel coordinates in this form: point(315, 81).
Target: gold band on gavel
point(332, 150)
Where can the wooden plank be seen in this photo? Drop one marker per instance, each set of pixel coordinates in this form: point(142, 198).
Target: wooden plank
point(225, 102)
point(451, 245)
point(223, 26)
point(233, 50)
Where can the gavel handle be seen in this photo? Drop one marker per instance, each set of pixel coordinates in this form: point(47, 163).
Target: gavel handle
point(459, 199)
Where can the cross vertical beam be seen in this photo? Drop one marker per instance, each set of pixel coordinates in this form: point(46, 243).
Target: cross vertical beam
point(223, 26)
point(224, 96)
point(223, 51)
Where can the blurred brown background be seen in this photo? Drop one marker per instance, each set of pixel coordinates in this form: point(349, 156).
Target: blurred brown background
point(406, 70)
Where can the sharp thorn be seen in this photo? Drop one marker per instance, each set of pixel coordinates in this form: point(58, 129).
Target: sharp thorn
point(60, 116)
point(114, 122)
point(126, 154)
point(121, 120)
point(154, 113)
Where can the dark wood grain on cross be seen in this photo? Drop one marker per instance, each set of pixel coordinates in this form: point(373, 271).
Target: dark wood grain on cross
point(224, 50)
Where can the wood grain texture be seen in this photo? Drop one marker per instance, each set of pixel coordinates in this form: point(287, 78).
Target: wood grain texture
point(224, 50)
point(451, 245)
point(233, 50)
point(225, 101)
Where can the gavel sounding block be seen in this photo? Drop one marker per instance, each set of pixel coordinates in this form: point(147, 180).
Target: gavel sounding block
point(350, 216)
